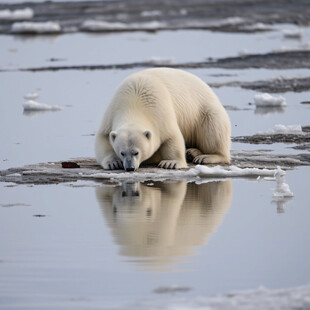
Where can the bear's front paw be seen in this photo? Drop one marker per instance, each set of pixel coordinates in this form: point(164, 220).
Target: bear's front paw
point(171, 164)
point(112, 164)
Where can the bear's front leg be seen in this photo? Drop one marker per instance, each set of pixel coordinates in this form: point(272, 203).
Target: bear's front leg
point(173, 153)
point(111, 162)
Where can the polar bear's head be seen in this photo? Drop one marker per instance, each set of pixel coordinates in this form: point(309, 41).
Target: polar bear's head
point(132, 146)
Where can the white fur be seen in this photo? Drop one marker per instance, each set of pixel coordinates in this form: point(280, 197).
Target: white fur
point(155, 113)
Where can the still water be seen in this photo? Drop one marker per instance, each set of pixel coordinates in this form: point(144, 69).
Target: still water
point(82, 245)
point(92, 246)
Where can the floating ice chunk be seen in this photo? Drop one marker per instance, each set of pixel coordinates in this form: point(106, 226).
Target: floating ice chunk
point(258, 27)
point(293, 33)
point(232, 21)
point(94, 25)
point(243, 52)
point(22, 14)
point(290, 129)
point(30, 27)
point(161, 61)
point(151, 13)
point(183, 11)
point(282, 190)
point(267, 100)
point(283, 129)
point(31, 105)
point(31, 96)
point(282, 193)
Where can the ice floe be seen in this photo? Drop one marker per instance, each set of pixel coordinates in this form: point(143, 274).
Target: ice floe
point(198, 171)
point(293, 33)
point(284, 129)
point(31, 96)
point(21, 14)
point(95, 25)
point(36, 27)
point(32, 105)
point(267, 100)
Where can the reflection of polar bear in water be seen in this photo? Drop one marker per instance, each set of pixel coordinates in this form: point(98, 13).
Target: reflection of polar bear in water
point(165, 220)
point(155, 114)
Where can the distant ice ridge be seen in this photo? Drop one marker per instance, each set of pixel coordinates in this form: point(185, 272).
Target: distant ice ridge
point(39, 28)
point(267, 100)
point(260, 298)
point(95, 25)
point(31, 105)
point(21, 14)
point(283, 129)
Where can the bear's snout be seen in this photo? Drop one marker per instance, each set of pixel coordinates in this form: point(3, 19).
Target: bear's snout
point(129, 164)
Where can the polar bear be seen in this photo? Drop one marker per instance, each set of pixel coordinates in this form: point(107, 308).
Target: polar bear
point(155, 115)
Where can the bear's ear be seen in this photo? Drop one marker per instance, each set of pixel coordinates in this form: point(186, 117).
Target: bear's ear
point(113, 135)
point(148, 134)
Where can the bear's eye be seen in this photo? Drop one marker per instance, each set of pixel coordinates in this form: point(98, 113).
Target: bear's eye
point(122, 153)
point(135, 153)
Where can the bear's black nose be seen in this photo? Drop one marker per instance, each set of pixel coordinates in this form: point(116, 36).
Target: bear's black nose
point(130, 169)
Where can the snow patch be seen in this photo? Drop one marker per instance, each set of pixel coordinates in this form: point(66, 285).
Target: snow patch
point(22, 14)
point(39, 28)
point(267, 100)
point(31, 105)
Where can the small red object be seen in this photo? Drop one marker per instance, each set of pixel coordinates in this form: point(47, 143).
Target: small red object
point(69, 164)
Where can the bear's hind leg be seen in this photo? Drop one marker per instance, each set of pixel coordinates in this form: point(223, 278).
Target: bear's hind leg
point(191, 154)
